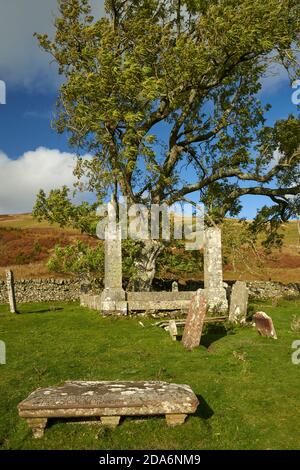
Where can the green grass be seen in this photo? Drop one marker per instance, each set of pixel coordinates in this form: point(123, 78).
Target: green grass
point(248, 386)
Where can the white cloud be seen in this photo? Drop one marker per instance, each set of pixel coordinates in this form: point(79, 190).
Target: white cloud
point(21, 179)
point(22, 62)
point(275, 77)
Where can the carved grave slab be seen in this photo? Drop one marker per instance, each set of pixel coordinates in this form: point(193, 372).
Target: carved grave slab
point(108, 400)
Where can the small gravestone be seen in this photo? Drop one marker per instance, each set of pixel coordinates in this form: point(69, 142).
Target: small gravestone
point(264, 325)
point(11, 291)
point(195, 320)
point(175, 286)
point(239, 302)
point(2, 353)
point(173, 329)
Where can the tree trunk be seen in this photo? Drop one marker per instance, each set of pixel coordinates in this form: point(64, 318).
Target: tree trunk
point(145, 266)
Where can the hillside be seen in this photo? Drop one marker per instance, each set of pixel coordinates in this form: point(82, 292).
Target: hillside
point(25, 246)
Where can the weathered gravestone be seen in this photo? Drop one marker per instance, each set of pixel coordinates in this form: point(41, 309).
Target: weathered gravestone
point(264, 325)
point(239, 302)
point(175, 286)
point(213, 271)
point(113, 298)
point(11, 291)
point(108, 400)
point(2, 353)
point(195, 320)
point(172, 327)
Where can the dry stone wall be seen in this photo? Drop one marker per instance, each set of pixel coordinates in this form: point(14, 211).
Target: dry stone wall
point(42, 290)
point(45, 290)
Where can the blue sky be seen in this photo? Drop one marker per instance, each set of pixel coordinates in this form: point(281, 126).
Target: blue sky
point(32, 155)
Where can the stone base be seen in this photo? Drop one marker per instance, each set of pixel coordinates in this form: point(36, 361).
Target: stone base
point(114, 294)
point(111, 307)
point(110, 421)
point(216, 300)
point(176, 419)
point(37, 426)
point(113, 302)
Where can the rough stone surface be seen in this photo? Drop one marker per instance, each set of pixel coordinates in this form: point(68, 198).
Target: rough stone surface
point(159, 296)
point(264, 325)
point(239, 302)
point(172, 328)
point(108, 400)
point(11, 291)
point(195, 321)
point(46, 290)
point(113, 295)
point(264, 290)
point(213, 271)
point(43, 290)
point(175, 286)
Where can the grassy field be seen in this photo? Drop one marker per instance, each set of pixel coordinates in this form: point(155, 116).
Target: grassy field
point(247, 385)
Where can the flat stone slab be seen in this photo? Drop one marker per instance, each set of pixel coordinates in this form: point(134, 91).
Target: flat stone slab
point(108, 400)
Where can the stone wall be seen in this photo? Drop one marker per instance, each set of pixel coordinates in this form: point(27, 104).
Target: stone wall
point(44, 290)
point(269, 290)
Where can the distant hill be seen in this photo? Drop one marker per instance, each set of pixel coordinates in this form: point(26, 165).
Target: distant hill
point(25, 246)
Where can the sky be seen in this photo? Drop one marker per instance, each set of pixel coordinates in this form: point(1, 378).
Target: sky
point(32, 154)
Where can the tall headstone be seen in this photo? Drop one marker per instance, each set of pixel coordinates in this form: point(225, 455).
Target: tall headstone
point(264, 325)
point(239, 302)
point(195, 321)
point(113, 298)
point(213, 271)
point(11, 291)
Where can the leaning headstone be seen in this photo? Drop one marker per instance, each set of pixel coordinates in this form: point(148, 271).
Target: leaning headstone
point(264, 325)
point(11, 291)
point(173, 329)
point(195, 320)
point(175, 286)
point(239, 302)
point(213, 271)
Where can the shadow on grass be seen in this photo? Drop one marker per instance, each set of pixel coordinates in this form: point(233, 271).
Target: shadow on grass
point(204, 411)
point(212, 334)
point(44, 310)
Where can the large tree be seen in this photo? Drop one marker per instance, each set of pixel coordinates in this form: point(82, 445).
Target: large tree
point(165, 96)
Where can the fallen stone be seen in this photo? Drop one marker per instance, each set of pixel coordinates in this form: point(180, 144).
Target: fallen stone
point(195, 321)
point(264, 325)
point(108, 400)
